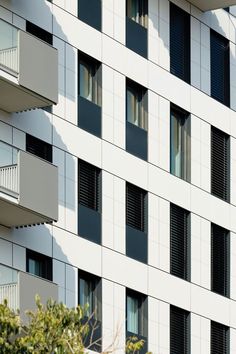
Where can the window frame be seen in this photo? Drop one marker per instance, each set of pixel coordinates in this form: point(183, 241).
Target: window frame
point(140, 13)
point(142, 313)
point(46, 264)
point(139, 115)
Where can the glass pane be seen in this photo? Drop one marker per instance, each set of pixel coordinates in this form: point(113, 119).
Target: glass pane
point(7, 275)
point(6, 154)
point(8, 46)
point(132, 315)
point(133, 10)
point(85, 81)
point(86, 295)
point(175, 145)
point(35, 267)
point(132, 107)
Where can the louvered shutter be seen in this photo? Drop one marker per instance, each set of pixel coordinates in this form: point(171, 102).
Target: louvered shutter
point(220, 162)
point(89, 186)
point(220, 74)
point(220, 260)
point(38, 147)
point(179, 242)
point(179, 331)
point(219, 338)
point(136, 208)
point(179, 43)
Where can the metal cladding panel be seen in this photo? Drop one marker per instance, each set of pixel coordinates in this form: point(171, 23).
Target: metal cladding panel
point(29, 286)
point(38, 186)
point(212, 4)
point(38, 67)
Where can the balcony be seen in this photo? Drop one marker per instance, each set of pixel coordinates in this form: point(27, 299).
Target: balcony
point(28, 71)
point(20, 288)
point(28, 188)
point(212, 4)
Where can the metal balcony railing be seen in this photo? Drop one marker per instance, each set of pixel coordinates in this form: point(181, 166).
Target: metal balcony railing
point(9, 59)
point(9, 56)
point(9, 178)
point(10, 293)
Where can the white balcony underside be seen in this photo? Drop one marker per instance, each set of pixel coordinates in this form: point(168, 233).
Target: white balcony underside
point(206, 5)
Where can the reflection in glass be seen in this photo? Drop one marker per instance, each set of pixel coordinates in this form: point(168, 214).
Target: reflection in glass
point(8, 46)
point(35, 267)
point(136, 106)
point(137, 11)
point(132, 314)
point(86, 295)
point(90, 80)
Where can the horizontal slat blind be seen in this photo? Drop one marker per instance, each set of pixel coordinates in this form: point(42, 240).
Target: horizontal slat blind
point(89, 186)
point(179, 331)
point(136, 207)
point(220, 75)
point(179, 242)
point(220, 162)
point(220, 260)
point(219, 338)
point(179, 43)
point(38, 147)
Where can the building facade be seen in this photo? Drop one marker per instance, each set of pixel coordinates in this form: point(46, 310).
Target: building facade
point(118, 166)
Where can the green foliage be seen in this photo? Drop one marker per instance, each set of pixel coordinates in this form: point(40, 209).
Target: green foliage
point(52, 328)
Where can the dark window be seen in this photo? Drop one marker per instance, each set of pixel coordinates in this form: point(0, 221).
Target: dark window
point(179, 43)
point(136, 207)
point(39, 264)
point(226, 9)
point(136, 119)
point(180, 242)
point(220, 74)
point(136, 316)
point(90, 297)
point(90, 12)
point(220, 260)
point(38, 147)
point(89, 186)
point(179, 331)
point(220, 164)
point(39, 32)
point(219, 338)
point(180, 143)
point(89, 198)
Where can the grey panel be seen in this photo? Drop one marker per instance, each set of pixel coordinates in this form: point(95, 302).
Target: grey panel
point(89, 224)
point(29, 286)
point(90, 12)
point(136, 140)
point(136, 244)
point(38, 66)
point(136, 37)
point(89, 116)
point(38, 185)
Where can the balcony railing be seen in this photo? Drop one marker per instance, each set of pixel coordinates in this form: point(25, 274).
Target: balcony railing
point(10, 293)
point(9, 59)
point(9, 179)
point(9, 47)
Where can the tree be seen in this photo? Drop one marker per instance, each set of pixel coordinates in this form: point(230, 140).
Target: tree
point(52, 328)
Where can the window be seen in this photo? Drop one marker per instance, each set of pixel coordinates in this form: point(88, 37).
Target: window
point(220, 75)
point(220, 164)
point(137, 11)
point(90, 79)
point(90, 296)
point(39, 32)
point(136, 105)
point(180, 242)
point(38, 147)
point(90, 12)
point(220, 260)
point(219, 338)
point(136, 222)
point(136, 316)
point(90, 94)
point(136, 119)
point(38, 264)
point(89, 197)
point(180, 143)
point(179, 43)
point(179, 331)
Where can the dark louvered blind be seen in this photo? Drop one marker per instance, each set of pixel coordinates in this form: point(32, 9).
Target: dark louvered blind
point(219, 338)
point(136, 207)
point(179, 43)
point(220, 164)
point(220, 260)
point(179, 331)
point(89, 186)
point(38, 147)
point(220, 74)
point(179, 242)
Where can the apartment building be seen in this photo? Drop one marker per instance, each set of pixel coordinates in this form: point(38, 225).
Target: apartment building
point(118, 166)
